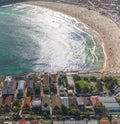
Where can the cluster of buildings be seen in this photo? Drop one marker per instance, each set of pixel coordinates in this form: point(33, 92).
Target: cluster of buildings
point(45, 94)
point(103, 121)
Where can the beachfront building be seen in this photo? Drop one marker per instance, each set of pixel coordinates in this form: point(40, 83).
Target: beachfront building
point(37, 90)
point(30, 88)
point(110, 104)
point(70, 81)
point(53, 78)
point(9, 88)
point(20, 89)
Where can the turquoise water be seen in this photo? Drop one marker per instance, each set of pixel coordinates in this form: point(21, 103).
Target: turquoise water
point(38, 39)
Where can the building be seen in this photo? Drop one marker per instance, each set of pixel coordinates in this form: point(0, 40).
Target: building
point(57, 122)
point(110, 104)
point(30, 87)
point(22, 121)
point(69, 122)
point(104, 121)
point(45, 103)
point(36, 104)
point(56, 103)
point(37, 90)
point(8, 102)
point(9, 88)
point(93, 122)
point(81, 122)
point(72, 102)
point(34, 122)
point(46, 80)
point(21, 85)
point(70, 81)
point(53, 78)
point(116, 121)
point(20, 88)
point(64, 101)
point(95, 101)
point(87, 102)
point(80, 103)
point(27, 102)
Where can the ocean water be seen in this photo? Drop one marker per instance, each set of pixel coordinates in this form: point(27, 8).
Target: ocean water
point(38, 39)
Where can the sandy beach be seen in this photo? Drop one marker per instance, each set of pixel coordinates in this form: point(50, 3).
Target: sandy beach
point(107, 30)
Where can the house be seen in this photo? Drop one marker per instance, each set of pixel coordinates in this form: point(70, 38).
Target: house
point(87, 102)
point(64, 101)
point(57, 122)
point(93, 122)
point(34, 122)
point(70, 93)
point(9, 88)
point(45, 103)
point(36, 106)
point(95, 101)
point(53, 78)
point(69, 122)
point(27, 102)
point(46, 80)
point(20, 88)
point(81, 122)
point(45, 84)
point(30, 87)
point(8, 102)
point(37, 90)
point(80, 103)
point(22, 121)
point(72, 102)
point(70, 81)
point(56, 103)
point(104, 121)
point(116, 121)
point(110, 104)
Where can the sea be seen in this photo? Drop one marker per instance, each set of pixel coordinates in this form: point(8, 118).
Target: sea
point(37, 39)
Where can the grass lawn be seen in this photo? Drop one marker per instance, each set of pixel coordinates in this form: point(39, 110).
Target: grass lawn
point(83, 83)
point(104, 88)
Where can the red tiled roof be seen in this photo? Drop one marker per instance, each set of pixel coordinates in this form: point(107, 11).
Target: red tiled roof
point(34, 122)
point(23, 121)
point(8, 101)
point(95, 101)
point(104, 122)
point(27, 101)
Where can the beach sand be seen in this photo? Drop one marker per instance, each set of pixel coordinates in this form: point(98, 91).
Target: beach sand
point(107, 30)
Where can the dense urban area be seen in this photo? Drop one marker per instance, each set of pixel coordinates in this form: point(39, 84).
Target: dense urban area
point(63, 97)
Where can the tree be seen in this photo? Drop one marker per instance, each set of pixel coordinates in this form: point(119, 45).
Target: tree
point(100, 110)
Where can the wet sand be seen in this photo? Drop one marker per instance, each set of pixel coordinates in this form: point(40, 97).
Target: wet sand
point(107, 31)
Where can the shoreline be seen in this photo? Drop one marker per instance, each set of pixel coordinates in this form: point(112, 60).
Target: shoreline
point(107, 30)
